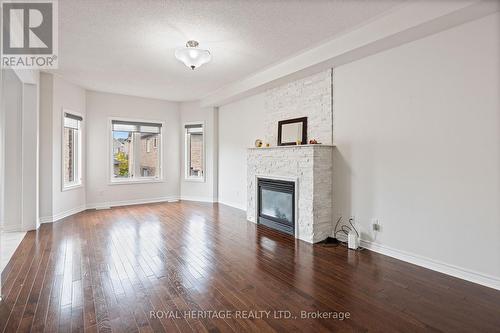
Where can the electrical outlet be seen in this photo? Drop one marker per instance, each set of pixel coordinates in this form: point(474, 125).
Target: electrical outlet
point(376, 225)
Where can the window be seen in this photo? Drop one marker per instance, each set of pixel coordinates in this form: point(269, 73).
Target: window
point(194, 154)
point(72, 149)
point(135, 157)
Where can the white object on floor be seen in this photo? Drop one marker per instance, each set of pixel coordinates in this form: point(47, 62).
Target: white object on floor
point(352, 240)
point(8, 245)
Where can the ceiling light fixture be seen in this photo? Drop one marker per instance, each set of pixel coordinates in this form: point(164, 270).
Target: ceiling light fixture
point(192, 56)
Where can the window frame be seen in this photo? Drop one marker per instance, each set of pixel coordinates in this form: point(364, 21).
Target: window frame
point(187, 177)
point(79, 156)
point(135, 180)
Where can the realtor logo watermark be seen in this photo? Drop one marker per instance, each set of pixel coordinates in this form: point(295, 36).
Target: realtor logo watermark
point(29, 34)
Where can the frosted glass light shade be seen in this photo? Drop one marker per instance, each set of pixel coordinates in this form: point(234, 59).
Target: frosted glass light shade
point(192, 56)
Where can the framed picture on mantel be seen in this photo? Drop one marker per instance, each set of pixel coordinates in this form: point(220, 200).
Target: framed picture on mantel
point(292, 131)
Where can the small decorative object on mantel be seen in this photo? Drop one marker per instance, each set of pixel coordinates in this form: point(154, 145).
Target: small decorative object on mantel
point(314, 142)
point(292, 132)
point(268, 145)
point(258, 143)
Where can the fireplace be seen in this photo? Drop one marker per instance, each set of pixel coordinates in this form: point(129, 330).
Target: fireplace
point(310, 169)
point(276, 204)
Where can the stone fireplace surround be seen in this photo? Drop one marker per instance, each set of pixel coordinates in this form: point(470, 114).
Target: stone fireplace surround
point(310, 167)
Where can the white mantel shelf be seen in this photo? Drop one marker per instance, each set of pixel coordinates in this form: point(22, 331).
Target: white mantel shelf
point(318, 145)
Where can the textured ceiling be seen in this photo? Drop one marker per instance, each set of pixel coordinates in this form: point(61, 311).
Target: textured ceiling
point(127, 46)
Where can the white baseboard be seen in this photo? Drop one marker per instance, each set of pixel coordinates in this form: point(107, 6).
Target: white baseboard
point(435, 265)
point(233, 204)
point(195, 198)
point(104, 205)
point(459, 272)
point(10, 228)
point(61, 215)
point(46, 219)
point(107, 205)
point(452, 270)
point(205, 199)
point(17, 227)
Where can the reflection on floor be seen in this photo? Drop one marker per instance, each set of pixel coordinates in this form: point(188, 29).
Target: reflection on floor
point(8, 245)
point(201, 267)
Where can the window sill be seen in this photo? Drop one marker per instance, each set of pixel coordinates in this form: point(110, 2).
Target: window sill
point(135, 181)
point(71, 187)
point(195, 180)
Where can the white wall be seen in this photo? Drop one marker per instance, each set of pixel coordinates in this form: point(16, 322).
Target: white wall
point(418, 135)
point(240, 124)
point(102, 106)
point(46, 147)
point(57, 95)
point(18, 145)
point(29, 151)
point(71, 97)
point(2, 164)
point(12, 104)
point(195, 190)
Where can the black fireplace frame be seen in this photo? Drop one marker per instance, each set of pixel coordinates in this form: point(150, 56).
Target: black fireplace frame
point(271, 221)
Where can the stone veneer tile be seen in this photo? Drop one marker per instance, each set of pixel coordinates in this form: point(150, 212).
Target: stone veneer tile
point(310, 97)
point(312, 167)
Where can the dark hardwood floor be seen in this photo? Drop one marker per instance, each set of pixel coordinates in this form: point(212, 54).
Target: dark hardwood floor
point(107, 270)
